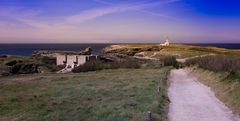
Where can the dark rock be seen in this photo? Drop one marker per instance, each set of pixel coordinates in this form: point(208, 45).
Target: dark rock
point(3, 56)
point(129, 51)
point(11, 63)
point(24, 69)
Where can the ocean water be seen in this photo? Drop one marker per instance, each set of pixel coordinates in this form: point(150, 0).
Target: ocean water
point(27, 49)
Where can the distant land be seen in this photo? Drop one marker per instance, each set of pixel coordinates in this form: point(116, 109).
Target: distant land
point(27, 49)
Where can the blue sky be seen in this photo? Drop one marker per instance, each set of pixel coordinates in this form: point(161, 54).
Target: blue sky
point(100, 21)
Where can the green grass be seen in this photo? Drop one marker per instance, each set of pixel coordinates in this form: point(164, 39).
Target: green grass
point(108, 95)
point(178, 50)
point(200, 50)
point(225, 85)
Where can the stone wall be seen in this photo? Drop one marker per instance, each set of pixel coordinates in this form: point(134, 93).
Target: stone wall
point(60, 59)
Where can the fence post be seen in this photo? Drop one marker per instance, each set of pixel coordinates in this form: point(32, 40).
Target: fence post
point(148, 116)
point(158, 88)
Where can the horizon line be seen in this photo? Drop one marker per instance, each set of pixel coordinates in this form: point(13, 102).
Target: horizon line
point(133, 43)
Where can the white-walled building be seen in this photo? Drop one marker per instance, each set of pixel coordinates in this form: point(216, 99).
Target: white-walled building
point(166, 43)
point(69, 59)
point(72, 61)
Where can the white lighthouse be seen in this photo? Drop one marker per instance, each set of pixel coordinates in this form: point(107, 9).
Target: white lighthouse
point(166, 43)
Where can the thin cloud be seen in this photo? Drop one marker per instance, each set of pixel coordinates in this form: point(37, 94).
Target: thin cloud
point(69, 25)
point(68, 22)
point(14, 12)
point(103, 2)
point(19, 16)
point(145, 11)
point(99, 12)
point(87, 15)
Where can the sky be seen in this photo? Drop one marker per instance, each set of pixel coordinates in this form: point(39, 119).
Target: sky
point(119, 21)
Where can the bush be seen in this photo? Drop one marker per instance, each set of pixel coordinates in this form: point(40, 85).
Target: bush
point(11, 63)
point(169, 61)
point(50, 64)
point(99, 65)
point(24, 69)
point(217, 63)
point(48, 60)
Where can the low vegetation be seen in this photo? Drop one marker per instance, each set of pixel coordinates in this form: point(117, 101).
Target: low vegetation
point(48, 64)
point(18, 65)
point(177, 50)
point(200, 50)
point(169, 61)
point(126, 63)
point(218, 63)
point(225, 86)
point(10, 65)
point(222, 74)
point(100, 65)
point(107, 95)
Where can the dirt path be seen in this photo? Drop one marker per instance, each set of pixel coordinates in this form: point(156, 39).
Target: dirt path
point(192, 101)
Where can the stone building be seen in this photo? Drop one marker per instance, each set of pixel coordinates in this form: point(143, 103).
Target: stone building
point(72, 61)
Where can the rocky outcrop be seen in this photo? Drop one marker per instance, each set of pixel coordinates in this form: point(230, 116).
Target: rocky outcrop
point(24, 69)
point(3, 56)
point(128, 50)
point(48, 53)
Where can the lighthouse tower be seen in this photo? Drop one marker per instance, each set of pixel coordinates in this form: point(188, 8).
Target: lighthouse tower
point(166, 43)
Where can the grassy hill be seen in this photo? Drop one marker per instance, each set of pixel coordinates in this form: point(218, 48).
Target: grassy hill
point(217, 67)
point(113, 94)
point(108, 95)
point(177, 50)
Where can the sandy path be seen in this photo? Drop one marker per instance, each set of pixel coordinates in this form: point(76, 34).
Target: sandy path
point(193, 101)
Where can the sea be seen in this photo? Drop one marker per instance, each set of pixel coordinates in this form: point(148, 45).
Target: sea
point(27, 49)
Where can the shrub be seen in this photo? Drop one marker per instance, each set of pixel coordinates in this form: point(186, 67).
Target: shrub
point(169, 61)
point(24, 69)
point(50, 64)
point(11, 63)
point(217, 63)
point(99, 65)
point(48, 60)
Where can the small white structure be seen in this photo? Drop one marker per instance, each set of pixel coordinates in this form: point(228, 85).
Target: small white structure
point(166, 43)
point(72, 61)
